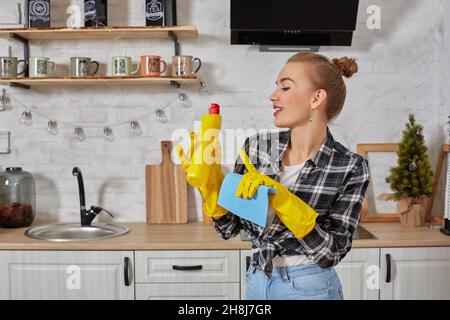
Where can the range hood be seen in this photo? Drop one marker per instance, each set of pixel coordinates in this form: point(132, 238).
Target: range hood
point(293, 23)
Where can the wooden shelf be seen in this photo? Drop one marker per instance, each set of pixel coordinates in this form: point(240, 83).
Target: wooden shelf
point(98, 81)
point(182, 32)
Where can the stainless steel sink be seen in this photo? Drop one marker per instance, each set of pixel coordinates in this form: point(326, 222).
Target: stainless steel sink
point(362, 234)
point(62, 232)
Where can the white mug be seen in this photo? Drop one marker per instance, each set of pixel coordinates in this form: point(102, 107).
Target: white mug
point(41, 67)
point(122, 66)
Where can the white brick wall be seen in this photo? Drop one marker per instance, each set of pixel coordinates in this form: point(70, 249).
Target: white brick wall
point(403, 69)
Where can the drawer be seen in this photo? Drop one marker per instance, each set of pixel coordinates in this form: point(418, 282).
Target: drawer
point(187, 291)
point(187, 266)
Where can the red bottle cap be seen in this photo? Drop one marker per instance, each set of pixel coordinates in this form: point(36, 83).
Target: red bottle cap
point(214, 108)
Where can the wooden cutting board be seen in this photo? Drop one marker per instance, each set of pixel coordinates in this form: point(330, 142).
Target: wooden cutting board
point(166, 190)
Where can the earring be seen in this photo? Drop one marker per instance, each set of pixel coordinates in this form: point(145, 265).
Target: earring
point(311, 116)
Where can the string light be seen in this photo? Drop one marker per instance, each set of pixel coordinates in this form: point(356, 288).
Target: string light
point(204, 90)
point(161, 116)
point(108, 134)
point(135, 127)
point(3, 100)
point(79, 133)
point(52, 127)
point(27, 118)
point(185, 102)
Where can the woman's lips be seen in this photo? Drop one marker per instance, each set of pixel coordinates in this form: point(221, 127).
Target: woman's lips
point(278, 110)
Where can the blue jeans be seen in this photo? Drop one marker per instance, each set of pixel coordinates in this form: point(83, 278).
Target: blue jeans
point(308, 282)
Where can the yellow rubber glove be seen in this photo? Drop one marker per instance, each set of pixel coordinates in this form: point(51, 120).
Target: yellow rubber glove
point(210, 193)
point(295, 214)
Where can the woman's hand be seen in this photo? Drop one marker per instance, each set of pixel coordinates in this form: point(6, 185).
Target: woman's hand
point(185, 160)
point(210, 171)
point(295, 214)
point(251, 181)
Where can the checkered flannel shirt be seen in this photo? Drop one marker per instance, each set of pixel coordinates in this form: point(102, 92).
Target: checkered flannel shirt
point(333, 183)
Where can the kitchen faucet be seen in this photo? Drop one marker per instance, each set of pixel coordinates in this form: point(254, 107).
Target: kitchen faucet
point(87, 216)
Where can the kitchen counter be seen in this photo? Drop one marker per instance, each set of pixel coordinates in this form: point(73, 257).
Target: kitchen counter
point(392, 234)
point(196, 236)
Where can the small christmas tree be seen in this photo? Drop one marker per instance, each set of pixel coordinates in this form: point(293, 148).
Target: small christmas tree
point(413, 177)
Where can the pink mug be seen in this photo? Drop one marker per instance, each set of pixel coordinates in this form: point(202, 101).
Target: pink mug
point(151, 66)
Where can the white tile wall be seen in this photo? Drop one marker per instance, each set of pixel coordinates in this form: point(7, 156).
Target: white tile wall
point(403, 69)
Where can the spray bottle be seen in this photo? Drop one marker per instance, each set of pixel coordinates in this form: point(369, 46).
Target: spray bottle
point(199, 170)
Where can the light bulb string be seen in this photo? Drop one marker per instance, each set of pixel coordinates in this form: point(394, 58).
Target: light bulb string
point(121, 123)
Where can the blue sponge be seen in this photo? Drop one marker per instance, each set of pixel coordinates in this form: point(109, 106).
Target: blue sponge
point(254, 209)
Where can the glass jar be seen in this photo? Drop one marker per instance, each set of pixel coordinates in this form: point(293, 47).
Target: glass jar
point(17, 198)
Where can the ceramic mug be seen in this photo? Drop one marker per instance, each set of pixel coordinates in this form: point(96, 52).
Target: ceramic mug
point(151, 66)
point(41, 67)
point(8, 67)
point(122, 66)
point(182, 66)
point(82, 67)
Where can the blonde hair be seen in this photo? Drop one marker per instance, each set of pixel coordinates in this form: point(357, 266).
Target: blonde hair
point(327, 74)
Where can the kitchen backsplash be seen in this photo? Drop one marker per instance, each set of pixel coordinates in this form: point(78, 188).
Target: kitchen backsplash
point(403, 69)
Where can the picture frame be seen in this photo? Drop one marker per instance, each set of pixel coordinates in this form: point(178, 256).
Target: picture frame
point(445, 151)
point(366, 216)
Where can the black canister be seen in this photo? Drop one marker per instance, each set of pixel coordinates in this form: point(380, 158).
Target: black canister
point(17, 198)
point(161, 12)
point(95, 13)
point(38, 13)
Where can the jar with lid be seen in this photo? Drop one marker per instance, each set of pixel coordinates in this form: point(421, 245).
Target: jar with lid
point(17, 198)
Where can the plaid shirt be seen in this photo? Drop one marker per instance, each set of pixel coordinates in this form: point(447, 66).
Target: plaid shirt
point(333, 183)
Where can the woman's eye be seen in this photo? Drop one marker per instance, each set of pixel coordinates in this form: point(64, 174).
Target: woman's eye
point(285, 89)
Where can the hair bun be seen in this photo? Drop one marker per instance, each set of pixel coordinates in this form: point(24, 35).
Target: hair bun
point(346, 65)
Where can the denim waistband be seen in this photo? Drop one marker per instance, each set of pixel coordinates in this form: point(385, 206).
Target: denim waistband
point(288, 272)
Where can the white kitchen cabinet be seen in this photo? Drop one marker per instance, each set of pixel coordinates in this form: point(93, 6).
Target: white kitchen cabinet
point(415, 273)
point(187, 274)
point(245, 264)
point(352, 271)
point(187, 291)
point(359, 274)
point(73, 275)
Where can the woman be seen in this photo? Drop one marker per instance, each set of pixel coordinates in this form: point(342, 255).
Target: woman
point(320, 186)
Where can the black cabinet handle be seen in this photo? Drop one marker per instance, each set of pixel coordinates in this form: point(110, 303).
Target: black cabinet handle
point(187, 268)
point(388, 268)
point(247, 262)
point(126, 271)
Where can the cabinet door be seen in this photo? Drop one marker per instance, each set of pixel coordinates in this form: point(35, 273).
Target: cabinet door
point(245, 264)
point(359, 274)
point(415, 273)
point(354, 272)
point(66, 275)
point(187, 291)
